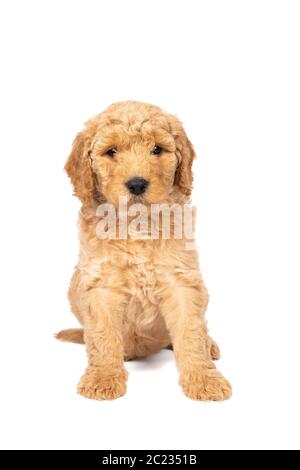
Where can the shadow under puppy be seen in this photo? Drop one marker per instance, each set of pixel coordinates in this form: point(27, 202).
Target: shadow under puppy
point(134, 297)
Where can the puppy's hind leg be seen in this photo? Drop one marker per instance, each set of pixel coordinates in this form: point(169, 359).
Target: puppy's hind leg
point(214, 349)
point(73, 335)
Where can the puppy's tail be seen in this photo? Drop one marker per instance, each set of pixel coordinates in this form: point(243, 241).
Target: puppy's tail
point(72, 335)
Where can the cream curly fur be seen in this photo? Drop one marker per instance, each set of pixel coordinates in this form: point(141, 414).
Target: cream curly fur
point(135, 297)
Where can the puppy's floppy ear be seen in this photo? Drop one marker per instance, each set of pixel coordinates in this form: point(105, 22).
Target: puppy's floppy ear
point(78, 168)
point(185, 154)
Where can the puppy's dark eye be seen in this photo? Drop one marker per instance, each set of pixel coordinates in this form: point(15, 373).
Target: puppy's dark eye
point(111, 152)
point(157, 150)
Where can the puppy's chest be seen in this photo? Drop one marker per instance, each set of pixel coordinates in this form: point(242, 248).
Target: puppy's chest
point(134, 270)
point(141, 277)
point(138, 269)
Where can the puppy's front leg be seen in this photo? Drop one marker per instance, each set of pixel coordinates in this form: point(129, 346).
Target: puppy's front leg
point(105, 376)
point(183, 308)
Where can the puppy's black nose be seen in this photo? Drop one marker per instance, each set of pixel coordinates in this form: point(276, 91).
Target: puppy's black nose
point(137, 186)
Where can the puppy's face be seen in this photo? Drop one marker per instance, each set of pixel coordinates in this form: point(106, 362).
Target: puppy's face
point(132, 150)
point(137, 161)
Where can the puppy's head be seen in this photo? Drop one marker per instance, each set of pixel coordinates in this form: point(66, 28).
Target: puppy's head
point(134, 150)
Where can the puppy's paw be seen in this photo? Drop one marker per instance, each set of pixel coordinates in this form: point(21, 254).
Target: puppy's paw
point(206, 385)
point(214, 351)
point(97, 385)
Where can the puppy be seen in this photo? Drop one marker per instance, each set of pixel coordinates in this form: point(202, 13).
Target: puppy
point(136, 295)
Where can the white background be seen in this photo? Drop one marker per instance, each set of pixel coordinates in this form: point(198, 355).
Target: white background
point(230, 70)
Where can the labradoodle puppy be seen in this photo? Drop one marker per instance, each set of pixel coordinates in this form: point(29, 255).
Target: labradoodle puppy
point(136, 295)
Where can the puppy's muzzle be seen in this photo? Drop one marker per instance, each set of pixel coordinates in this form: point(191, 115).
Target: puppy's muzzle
point(137, 186)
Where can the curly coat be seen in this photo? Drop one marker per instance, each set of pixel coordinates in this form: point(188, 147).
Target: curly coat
point(135, 297)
